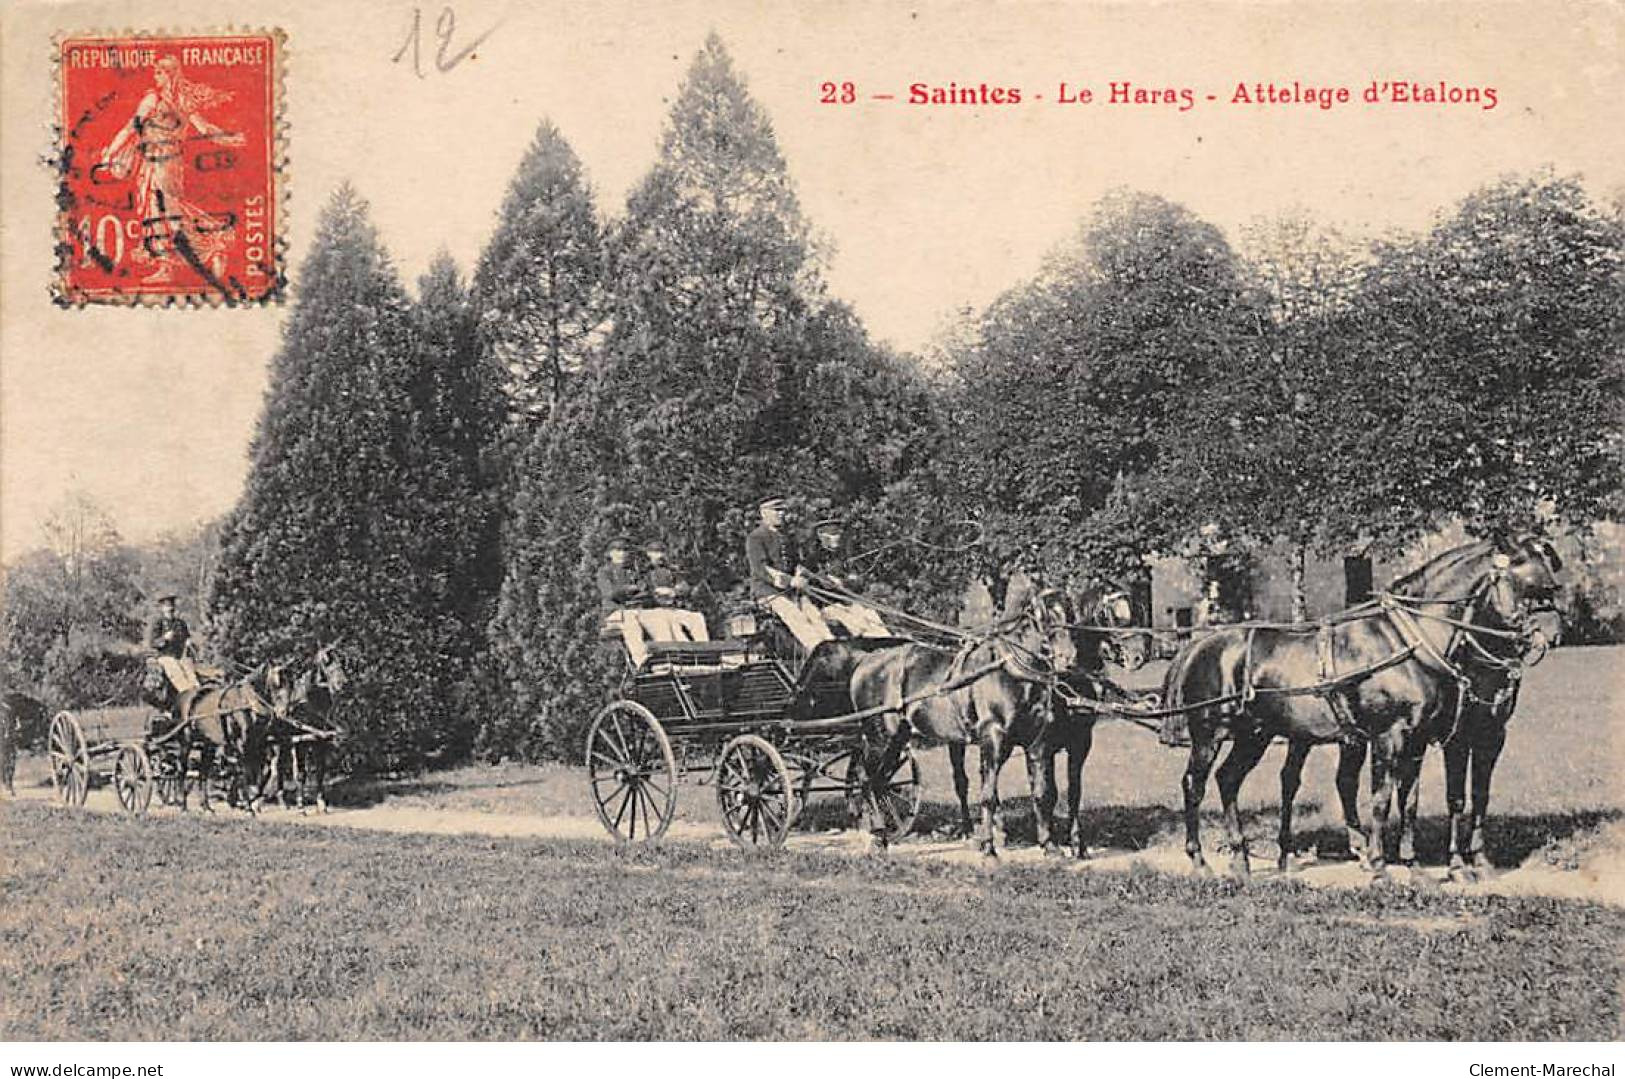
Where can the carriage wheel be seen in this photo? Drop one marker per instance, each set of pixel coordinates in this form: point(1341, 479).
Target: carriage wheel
point(632, 773)
point(70, 760)
point(754, 792)
point(132, 779)
point(900, 804)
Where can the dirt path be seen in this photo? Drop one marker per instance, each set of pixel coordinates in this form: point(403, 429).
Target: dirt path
point(1603, 881)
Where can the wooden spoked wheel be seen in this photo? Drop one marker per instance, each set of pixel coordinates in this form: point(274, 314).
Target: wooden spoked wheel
point(899, 805)
point(754, 792)
point(632, 773)
point(70, 760)
point(133, 779)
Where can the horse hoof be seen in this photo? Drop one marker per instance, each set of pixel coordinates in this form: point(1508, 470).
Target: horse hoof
point(1380, 877)
point(1052, 850)
point(1083, 853)
point(1240, 869)
point(1284, 865)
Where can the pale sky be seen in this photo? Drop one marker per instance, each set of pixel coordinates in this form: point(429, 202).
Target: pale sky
point(924, 208)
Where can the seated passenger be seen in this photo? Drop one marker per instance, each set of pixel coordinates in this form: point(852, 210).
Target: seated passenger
point(776, 583)
point(622, 596)
point(825, 564)
point(668, 620)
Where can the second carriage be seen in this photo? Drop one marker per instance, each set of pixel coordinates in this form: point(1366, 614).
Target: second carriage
point(756, 717)
point(137, 747)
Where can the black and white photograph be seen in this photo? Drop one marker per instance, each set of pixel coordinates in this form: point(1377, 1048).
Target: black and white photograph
point(525, 524)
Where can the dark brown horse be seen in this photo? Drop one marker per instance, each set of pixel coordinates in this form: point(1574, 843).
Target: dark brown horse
point(1385, 675)
point(994, 691)
point(1101, 635)
point(229, 723)
point(305, 732)
point(1491, 666)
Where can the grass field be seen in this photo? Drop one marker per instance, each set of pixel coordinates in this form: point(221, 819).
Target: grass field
point(228, 928)
point(196, 929)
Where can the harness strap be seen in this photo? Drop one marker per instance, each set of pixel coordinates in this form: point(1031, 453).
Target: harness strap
point(940, 689)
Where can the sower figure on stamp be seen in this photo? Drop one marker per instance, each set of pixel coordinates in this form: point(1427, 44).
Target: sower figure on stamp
point(154, 144)
point(825, 564)
point(674, 622)
point(621, 593)
point(776, 583)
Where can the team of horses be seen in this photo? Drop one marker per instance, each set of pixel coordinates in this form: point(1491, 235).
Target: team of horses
point(275, 726)
point(1436, 659)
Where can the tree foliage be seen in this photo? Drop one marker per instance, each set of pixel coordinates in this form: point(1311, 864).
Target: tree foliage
point(1499, 337)
point(539, 286)
point(356, 524)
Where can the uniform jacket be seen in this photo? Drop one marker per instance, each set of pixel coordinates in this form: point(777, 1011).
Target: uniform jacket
point(768, 547)
point(168, 636)
point(619, 586)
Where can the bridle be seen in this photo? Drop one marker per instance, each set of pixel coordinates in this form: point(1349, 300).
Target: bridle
point(1512, 607)
point(1032, 664)
point(1111, 619)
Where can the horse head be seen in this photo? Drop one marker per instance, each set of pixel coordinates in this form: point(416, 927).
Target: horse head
point(1524, 589)
point(1500, 585)
point(1044, 629)
point(1104, 613)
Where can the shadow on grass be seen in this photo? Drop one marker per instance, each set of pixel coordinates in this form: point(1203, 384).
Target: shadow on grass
point(1510, 840)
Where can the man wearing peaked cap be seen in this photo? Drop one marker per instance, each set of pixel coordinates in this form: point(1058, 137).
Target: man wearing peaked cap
point(776, 581)
point(673, 621)
point(825, 564)
point(168, 636)
point(622, 595)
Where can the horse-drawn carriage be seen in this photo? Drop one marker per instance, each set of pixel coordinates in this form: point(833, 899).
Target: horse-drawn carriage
point(132, 746)
point(234, 734)
point(768, 725)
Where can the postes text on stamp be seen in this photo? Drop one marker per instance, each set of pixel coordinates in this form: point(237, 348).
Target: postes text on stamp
point(169, 169)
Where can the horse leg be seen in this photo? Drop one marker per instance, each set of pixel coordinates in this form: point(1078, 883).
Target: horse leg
point(992, 755)
point(1243, 758)
point(1077, 751)
point(317, 765)
point(1350, 759)
point(1194, 783)
point(1406, 772)
point(205, 769)
point(1041, 781)
point(1291, 779)
point(1457, 752)
point(1486, 751)
point(956, 757)
point(1383, 756)
point(880, 767)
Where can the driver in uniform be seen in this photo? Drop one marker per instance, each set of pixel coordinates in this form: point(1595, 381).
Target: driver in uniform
point(168, 636)
point(777, 581)
point(825, 563)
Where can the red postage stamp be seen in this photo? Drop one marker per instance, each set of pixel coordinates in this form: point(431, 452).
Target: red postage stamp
point(170, 169)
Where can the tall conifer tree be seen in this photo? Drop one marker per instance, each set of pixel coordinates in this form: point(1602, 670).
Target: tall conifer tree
point(329, 541)
point(539, 286)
